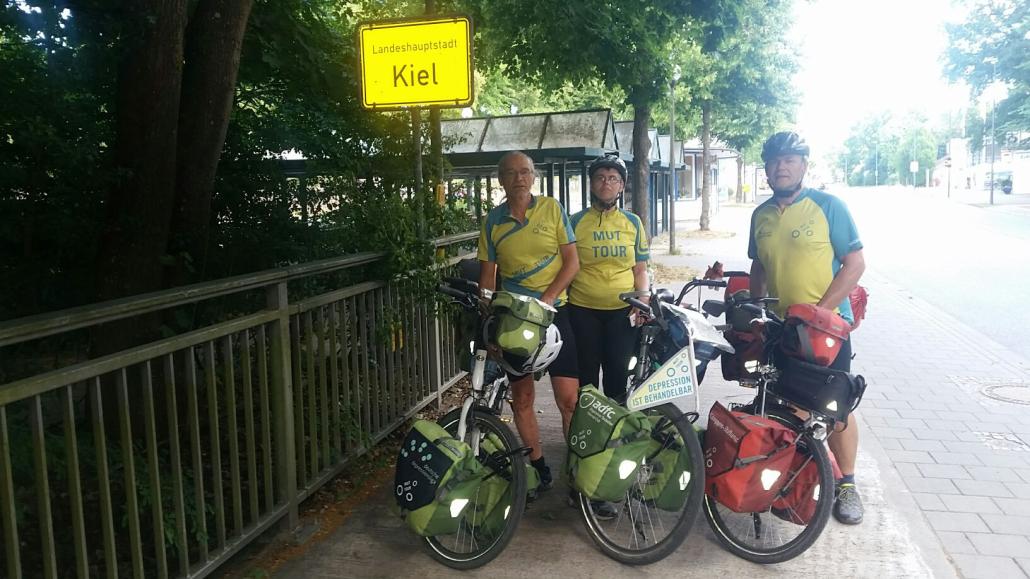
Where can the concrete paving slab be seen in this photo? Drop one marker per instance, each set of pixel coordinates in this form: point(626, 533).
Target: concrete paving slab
point(984, 567)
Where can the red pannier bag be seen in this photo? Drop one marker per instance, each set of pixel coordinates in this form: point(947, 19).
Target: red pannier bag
point(798, 499)
point(859, 298)
point(746, 459)
point(814, 334)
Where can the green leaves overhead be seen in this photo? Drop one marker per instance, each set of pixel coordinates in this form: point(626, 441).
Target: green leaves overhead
point(991, 44)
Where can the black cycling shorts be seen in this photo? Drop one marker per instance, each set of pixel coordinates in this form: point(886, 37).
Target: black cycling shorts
point(566, 365)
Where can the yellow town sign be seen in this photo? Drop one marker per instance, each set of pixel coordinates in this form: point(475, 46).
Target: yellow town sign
point(408, 63)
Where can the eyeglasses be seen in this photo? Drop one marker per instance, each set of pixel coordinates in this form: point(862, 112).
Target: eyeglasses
point(607, 180)
point(512, 173)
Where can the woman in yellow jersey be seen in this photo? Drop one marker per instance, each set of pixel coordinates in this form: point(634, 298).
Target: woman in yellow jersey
point(613, 254)
point(528, 240)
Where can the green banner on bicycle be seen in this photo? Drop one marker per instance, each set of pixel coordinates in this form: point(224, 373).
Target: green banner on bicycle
point(672, 380)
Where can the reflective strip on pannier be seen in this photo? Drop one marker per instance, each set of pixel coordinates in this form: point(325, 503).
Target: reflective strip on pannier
point(747, 458)
point(607, 444)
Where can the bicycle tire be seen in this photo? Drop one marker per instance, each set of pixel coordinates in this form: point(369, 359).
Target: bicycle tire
point(726, 523)
point(470, 548)
point(642, 533)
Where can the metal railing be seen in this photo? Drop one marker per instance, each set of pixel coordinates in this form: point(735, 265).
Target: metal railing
point(219, 432)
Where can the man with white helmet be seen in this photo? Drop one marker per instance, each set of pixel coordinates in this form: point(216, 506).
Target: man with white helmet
point(529, 241)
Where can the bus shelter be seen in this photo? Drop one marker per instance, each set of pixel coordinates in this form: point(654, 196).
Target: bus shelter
point(561, 144)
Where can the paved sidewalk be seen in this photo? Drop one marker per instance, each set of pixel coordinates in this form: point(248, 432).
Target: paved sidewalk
point(943, 468)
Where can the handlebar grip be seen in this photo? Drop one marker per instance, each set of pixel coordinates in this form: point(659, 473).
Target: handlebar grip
point(638, 304)
point(735, 274)
point(751, 309)
point(444, 288)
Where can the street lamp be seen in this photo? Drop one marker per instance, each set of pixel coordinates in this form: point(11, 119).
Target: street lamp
point(994, 133)
point(672, 159)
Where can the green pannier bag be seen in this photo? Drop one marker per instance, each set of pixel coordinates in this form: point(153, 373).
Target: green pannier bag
point(671, 479)
point(607, 444)
point(437, 477)
point(492, 503)
point(521, 323)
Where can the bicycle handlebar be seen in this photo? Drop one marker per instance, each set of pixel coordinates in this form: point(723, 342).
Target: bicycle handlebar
point(638, 304)
point(453, 292)
point(698, 282)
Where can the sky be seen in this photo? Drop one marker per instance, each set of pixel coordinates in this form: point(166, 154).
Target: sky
point(859, 58)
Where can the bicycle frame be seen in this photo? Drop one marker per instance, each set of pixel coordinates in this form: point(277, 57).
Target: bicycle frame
point(487, 396)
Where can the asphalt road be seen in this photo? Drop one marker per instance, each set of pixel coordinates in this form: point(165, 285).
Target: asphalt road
point(969, 259)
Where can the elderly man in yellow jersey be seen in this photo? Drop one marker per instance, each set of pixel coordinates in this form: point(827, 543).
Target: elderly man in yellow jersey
point(529, 241)
point(805, 248)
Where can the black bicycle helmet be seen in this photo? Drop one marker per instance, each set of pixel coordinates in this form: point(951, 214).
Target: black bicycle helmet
point(608, 162)
point(784, 143)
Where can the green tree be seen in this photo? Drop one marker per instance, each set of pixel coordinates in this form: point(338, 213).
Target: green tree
point(990, 45)
point(869, 150)
point(626, 45)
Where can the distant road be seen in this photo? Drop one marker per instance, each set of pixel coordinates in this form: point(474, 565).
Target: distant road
point(971, 261)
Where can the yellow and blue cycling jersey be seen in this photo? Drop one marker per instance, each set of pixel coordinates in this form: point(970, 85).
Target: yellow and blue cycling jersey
point(802, 246)
point(609, 245)
point(527, 254)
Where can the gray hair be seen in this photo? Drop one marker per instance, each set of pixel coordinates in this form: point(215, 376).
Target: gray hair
point(514, 155)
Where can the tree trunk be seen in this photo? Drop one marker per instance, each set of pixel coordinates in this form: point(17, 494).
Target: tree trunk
point(641, 164)
point(139, 207)
point(706, 166)
point(740, 179)
point(214, 39)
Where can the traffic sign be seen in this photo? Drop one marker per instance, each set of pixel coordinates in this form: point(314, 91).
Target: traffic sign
point(416, 62)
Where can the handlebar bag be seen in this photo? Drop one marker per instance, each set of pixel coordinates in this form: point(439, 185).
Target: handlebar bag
point(831, 393)
point(798, 499)
point(520, 323)
point(607, 444)
point(747, 458)
point(437, 477)
point(748, 347)
point(813, 333)
point(669, 464)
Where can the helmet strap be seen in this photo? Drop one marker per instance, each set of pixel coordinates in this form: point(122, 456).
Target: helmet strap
point(604, 205)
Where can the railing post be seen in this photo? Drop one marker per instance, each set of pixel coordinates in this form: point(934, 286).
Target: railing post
point(434, 361)
point(282, 402)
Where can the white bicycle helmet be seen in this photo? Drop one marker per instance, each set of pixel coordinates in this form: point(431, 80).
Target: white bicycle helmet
point(546, 352)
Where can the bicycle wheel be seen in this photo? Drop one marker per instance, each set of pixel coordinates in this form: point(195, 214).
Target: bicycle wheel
point(485, 531)
point(774, 536)
point(654, 518)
